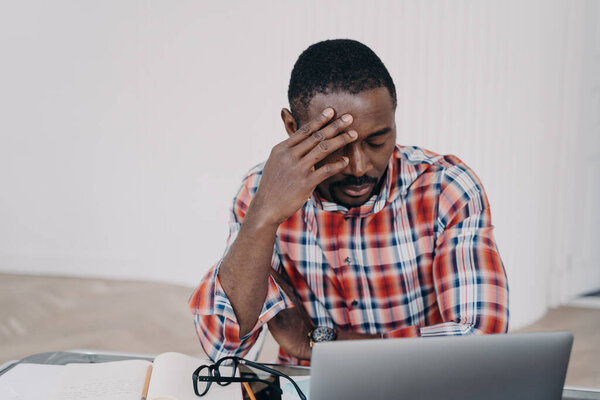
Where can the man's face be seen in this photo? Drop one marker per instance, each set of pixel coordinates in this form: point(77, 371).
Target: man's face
point(373, 119)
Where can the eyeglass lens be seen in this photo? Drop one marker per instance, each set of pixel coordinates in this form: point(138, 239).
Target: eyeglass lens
point(227, 371)
point(203, 386)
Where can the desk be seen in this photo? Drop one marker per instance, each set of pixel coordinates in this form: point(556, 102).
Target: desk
point(92, 356)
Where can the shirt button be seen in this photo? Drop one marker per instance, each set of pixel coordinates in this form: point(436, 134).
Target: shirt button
point(354, 303)
point(347, 260)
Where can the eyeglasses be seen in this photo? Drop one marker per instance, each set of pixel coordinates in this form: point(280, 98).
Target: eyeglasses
point(223, 375)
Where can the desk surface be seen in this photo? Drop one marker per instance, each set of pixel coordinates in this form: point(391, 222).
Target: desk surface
point(92, 356)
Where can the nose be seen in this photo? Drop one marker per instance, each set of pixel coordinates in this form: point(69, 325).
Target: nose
point(358, 163)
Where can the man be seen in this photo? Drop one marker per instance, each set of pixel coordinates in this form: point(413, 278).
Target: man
point(342, 234)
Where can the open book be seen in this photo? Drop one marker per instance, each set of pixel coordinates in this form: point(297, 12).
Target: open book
point(170, 379)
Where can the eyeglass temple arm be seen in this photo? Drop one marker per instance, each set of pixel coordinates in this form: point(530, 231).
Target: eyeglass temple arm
point(223, 379)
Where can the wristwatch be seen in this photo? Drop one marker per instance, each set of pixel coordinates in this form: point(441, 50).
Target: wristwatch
point(321, 334)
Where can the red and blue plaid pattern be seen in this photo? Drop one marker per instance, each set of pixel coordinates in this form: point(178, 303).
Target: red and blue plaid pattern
point(418, 259)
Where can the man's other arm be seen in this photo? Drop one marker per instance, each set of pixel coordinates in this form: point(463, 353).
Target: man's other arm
point(468, 274)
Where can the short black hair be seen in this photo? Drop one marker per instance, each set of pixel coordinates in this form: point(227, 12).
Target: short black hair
point(336, 65)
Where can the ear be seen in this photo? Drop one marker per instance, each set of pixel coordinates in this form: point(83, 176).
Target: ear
point(288, 121)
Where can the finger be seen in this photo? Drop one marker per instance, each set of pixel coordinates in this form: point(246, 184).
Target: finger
point(307, 129)
point(327, 132)
point(327, 147)
point(328, 170)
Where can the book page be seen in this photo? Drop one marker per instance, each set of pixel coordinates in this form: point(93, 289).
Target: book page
point(29, 381)
point(172, 380)
point(117, 380)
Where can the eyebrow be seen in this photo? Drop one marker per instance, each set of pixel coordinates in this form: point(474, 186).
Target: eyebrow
point(379, 133)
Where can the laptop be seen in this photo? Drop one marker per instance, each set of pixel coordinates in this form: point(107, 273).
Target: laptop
point(528, 366)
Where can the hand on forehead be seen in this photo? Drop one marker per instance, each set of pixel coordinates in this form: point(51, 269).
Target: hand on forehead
point(371, 110)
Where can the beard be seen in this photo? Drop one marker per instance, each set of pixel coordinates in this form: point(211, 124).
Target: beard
point(351, 181)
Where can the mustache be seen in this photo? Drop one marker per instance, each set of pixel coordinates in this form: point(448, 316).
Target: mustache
point(356, 181)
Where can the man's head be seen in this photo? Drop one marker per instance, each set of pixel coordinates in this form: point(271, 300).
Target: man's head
point(349, 77)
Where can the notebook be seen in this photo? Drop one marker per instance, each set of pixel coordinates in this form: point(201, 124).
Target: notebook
point(528, 366)
point(170, 378)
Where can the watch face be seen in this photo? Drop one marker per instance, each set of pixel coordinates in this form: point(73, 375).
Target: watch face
point(323, 334)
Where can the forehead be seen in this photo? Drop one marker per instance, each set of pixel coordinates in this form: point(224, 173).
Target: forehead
point(369, 109)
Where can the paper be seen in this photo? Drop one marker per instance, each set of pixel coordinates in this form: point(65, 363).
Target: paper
point(29, 381)
point(289, 391)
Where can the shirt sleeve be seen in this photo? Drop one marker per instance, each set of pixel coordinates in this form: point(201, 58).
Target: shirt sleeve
point(214, 317)
point(468, 274)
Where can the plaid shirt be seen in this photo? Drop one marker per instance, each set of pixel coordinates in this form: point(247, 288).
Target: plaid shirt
point(417, 259)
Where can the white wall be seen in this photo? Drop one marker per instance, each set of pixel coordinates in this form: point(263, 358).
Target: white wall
point(126, 126)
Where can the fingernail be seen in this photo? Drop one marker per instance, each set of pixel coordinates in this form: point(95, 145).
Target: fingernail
point(352, 134)
point(328, 112)
point(346, 159)
point(346, 117)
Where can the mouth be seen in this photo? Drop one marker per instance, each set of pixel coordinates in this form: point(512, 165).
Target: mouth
point(357, 191)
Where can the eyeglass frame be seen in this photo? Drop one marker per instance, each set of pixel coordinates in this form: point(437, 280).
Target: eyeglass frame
point(215, 376)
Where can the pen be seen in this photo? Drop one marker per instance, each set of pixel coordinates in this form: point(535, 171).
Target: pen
point(147, 383)
point(248, 390)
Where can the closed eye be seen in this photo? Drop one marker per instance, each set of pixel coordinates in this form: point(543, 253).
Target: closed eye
point(377, 139)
